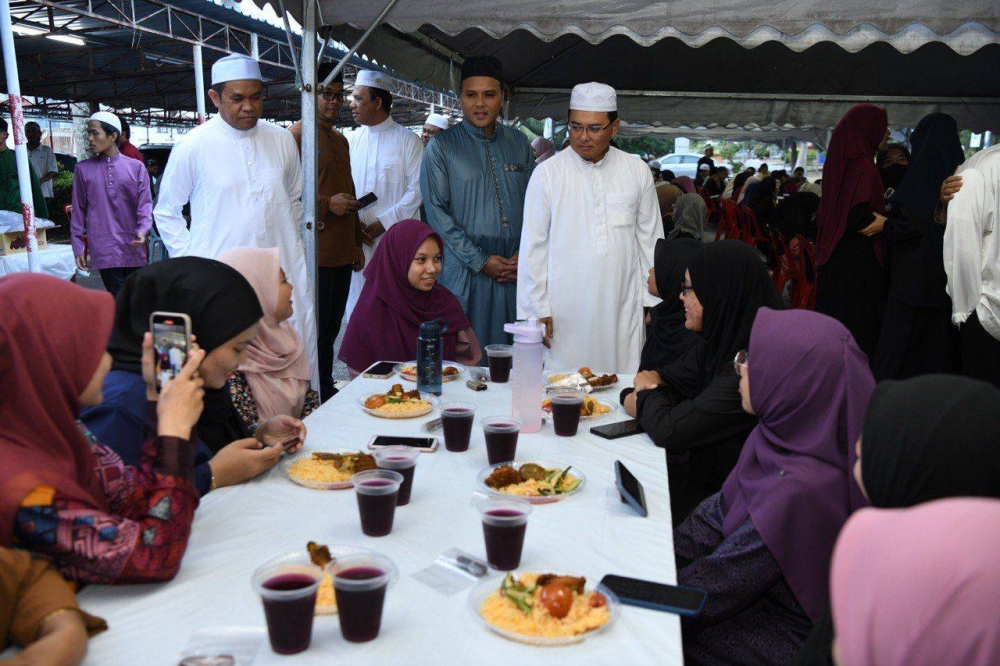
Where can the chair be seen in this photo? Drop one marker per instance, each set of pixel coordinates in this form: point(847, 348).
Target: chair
point(804, 293)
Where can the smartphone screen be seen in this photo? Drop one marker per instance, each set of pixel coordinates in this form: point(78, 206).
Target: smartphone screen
point(617, 430)
point(422, 443)
point(658, 596)
point(381, 369)
point(367, 200)
point(171, 340)
point(630, 489)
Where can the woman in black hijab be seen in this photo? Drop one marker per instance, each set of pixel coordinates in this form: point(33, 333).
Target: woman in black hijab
point(917, 335)
point(224, 311)
point(693, 405)
point(666, 337)
point(761, 201)
point(924, 439)
point(796, 214)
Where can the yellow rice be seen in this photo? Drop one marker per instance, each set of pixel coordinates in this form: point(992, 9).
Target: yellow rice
point(325, 597)
point(316, 470)
point(530, 488)
point(503, 613)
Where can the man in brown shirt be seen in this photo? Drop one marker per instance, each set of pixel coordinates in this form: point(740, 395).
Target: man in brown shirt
point(338, 244)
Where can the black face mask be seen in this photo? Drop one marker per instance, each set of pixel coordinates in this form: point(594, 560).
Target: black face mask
point(892, 175)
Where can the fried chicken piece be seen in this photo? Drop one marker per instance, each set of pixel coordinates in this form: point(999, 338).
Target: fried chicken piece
point(363, 462)
point(397, 389)
point(320, 555)
point(375, 402)
point(586, 372)
point(603, 380)
point(574, 583)
point(503, 477)
point(450, 370)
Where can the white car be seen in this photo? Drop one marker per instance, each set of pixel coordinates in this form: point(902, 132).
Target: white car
point(685, 164)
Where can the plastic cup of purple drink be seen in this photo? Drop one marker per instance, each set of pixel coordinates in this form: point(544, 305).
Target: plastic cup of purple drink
point(501, 438)
point(360, 583)
point(504, 524)
point(456, 422)
point(501, 360)
point(402, 459)
point(288, 591)
point(377, 491)
point(566, 412)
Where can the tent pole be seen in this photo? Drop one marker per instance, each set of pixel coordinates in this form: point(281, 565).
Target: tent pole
point(309, 145)
point(291, 41)
point(17, 127)
point(199, 82)
point(354, 49)
point(254, 46)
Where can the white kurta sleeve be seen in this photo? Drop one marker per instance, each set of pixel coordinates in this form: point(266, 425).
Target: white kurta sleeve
point(175, 191)
point(648, 229)
point(533, 255)
point(963, 242)
point(408, 205)
point(293, 175)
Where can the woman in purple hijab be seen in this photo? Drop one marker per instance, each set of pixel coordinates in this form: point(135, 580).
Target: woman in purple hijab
point(401, 292)
point(762, 547)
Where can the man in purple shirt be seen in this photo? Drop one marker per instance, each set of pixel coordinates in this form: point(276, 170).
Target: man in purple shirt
point(112, 206)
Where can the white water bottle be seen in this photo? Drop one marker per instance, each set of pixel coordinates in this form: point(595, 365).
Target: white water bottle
point(527, 387)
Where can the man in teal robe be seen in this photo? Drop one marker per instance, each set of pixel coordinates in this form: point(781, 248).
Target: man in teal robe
point(473, 178)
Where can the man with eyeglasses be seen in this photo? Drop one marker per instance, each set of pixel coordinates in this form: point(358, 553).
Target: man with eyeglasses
point(591, 221)
point(385, 160)
point(473, 178)
point(338, 242)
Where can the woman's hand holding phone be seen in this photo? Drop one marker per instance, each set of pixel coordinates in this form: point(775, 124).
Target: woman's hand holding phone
point(280, 430)
point(182, 400)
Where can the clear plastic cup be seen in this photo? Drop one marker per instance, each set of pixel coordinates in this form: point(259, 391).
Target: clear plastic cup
point(501, 360)
point(456, 422)
point(288, 592)
point(566, 407)
point(377, 491)
point(402, 459)
point(504, 524)
point(501, 438)
point(360, 583)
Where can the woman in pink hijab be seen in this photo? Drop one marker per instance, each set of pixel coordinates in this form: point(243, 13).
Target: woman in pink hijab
point(918, 586)
point(274, 380)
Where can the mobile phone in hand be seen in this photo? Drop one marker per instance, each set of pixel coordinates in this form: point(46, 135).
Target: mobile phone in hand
point(171, 333)
point(367, 200)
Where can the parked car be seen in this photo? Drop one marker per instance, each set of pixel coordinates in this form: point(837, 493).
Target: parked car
point(685, 164)
point(157, 151)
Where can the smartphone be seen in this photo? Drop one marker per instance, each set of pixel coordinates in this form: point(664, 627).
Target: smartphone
point(367, 200)
point(381, 370)
point(657, 596)
point(171, 344)
point(424, 444)
point(618, 430)
point(630, 489)
point(290, 443)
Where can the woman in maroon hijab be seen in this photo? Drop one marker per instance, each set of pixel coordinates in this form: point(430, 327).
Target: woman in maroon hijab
point(63, 495)
point(401, 292)
point(762, 546)
point(850, 249)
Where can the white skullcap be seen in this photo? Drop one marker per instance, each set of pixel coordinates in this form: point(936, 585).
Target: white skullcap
point(437, 120)
point(235, 67)
point(704, 167)
point(371, 79)
point(109, 118)
point(593, 97)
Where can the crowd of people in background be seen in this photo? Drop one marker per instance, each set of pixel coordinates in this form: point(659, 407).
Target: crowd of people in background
point(811, 503)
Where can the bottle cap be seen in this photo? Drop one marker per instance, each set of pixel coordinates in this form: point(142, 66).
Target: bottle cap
point(529, 331)
point(430, 329)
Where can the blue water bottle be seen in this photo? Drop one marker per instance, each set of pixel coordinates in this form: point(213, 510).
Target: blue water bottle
point(430, 353)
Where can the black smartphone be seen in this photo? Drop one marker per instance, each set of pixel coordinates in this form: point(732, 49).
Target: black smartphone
point(171, 344)
point(290, 443)
point(618, 430)
point(657, 596)
point(424, 444)
point(381, 370)
point(367, 200)
point(630, 489)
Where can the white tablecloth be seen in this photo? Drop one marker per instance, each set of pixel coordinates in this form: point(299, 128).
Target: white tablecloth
point(56, 260)
point(238, 528)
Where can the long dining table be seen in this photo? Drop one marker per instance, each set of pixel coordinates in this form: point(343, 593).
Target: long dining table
point(238, 528)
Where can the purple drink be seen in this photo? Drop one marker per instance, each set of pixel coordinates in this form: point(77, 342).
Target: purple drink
point(360, 610)
point(501, 360)
point(504, 524)
point(566, 413)
point(377, 492)
point(501, 438)
point(402, 459)
point(288, 592)
point(456, 422)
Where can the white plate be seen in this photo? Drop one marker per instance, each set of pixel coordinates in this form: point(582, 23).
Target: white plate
point(541, 499)
point(400, 369)
point(302, 557)
point(409, 415)
point(490, 585)
point(316, 485)
point(553, 377)
point(613, 406)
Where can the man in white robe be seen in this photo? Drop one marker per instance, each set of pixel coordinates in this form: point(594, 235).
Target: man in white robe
point(385, 159)
point(243, 178)
point(591, 220)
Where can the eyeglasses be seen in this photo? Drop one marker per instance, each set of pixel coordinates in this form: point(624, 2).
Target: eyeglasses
point(332, 96)
point(576, 128)
point(740, 361)
point(685, 288)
